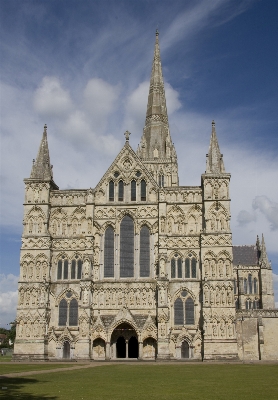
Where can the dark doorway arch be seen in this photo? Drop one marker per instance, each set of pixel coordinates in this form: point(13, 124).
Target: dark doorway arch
point(184, 350)
point(66, 350)
point(121, 347)
point(133, 347)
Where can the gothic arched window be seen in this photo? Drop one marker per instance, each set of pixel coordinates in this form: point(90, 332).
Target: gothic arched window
point(59, 270)
point(184, 309)
point(143, 190)
point(245, 285)
point(63, 312)
point(161, 180)
point(73, 269)
point(127, 247)
point(79, 269)
point(178, 312)
point(133, 190)
point(173, 268)
point(190, 267)
point(109, 253)
point(250, 283)
point(176, 267)
point(255, 285)
point(73, 313)
point(189, 311)
point(66, 269)
point(121, 191)
point(111, 191)
point(144, 252)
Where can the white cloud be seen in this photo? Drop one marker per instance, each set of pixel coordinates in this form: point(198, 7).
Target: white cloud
point(51, 100)
point(268, 208)
point(100, 99)
point(8, 298)
point(244, 217)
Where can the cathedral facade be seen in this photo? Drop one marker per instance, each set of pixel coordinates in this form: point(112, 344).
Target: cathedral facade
point(139, 266)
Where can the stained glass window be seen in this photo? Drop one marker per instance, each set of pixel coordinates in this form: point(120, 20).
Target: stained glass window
point(73, 313)
point(144, 252)
point(63, 310)
point(127, 247)
point(109, 253)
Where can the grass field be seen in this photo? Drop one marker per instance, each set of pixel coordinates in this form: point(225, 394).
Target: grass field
point(161, 381)
point(14, 367)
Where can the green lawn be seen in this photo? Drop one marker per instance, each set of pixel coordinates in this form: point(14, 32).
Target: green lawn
point(5, 358)
point(178, 381)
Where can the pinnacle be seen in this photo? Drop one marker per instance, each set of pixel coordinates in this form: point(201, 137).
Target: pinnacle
point(41, 168)
point(215, 164)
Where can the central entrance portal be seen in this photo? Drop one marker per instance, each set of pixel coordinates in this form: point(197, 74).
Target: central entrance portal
point(124, 342)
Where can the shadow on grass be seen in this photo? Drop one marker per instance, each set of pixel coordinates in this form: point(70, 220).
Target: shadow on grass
point(12, 388)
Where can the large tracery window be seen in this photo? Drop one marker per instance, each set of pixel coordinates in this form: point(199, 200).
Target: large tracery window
point(184, 309)
point(68, 311)
point(127, 247)
point(109, 253)
point(144, 252)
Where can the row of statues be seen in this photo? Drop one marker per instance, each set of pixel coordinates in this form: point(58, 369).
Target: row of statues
point(133, 297)
point(219, 329)
point(34, 272)
point(218, 297)
point(31, 297)
point(221, 268)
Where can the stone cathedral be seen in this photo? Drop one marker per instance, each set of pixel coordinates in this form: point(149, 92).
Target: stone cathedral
point(140, 267)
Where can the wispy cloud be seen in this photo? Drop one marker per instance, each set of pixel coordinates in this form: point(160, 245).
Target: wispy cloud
point(268, 208)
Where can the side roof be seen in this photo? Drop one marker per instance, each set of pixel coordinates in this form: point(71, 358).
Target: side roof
point(245, 255)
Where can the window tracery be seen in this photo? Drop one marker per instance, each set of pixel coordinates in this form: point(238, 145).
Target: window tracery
point(184, 309)
point(69, 269)
point(68, 311)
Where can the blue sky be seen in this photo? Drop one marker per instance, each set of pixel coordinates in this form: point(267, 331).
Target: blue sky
point(83, 68)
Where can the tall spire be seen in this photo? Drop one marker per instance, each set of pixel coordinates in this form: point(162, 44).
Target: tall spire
point(42, 169)
point(156, 148)
point(215, 164)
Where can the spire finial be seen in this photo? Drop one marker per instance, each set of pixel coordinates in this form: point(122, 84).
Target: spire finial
point(45, 128)
point(156, 32)
point(127, 134)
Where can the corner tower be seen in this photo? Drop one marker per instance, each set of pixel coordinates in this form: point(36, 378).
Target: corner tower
point(217, 259)
point(156, 149)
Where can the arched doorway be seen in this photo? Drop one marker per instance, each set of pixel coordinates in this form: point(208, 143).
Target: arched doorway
point(149, 348)
point(121, 347)
point(133, 347)
point(124, 342)
point(98, 349)
point(184, 350)
point(66, 350)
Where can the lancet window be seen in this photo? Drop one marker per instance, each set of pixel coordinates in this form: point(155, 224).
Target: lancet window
point(69, 269)
point(121, 191)
point(161, 180)
point(109, 253)
point(133, 190)
point(68, 311)
point(184, 309)
point(111, 191)
point(143, 190)
point(144, 252)
point(127, 247)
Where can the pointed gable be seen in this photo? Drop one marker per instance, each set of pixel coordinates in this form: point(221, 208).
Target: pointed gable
point(126, 167)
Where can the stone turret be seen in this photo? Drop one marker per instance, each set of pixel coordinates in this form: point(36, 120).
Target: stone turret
point(156, 149)
point(266, 279)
